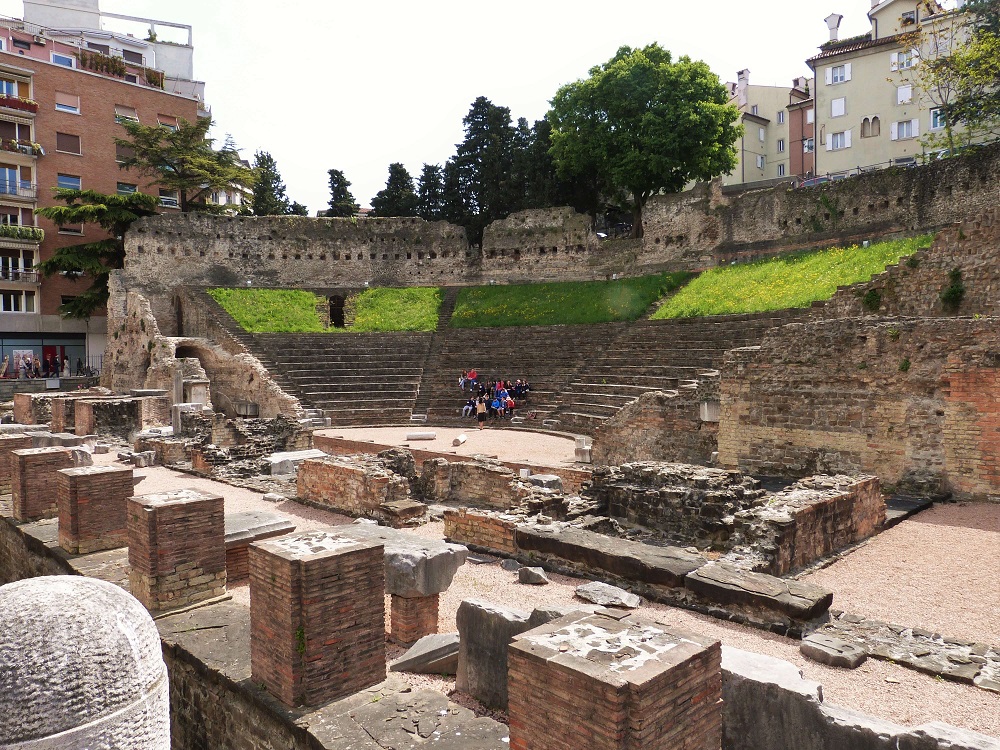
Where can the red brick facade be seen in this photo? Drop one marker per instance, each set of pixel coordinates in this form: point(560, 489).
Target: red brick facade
point(96, 127)
point(483, 530)
point(413, 618)
point(33, 481)
point(92, 502)
point(10, 443)
point(317, 616)
point(176, 548)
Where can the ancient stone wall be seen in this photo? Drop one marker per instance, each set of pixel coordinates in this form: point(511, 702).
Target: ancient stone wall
point(482, 530)
point(481, 482)
point(708, 228)
point(677, 425)
point(909, 400)
point(356, 486)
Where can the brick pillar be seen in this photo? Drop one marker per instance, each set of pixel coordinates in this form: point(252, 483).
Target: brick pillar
point(92, 502)
point(413, 617)
point(605, 682)
point(10, 443)
point(83, 417)
point(317, 616)
point(176, 548)
point(33, 481)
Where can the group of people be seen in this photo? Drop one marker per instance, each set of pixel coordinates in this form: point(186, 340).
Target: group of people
point(33, 366)
point(489, 398)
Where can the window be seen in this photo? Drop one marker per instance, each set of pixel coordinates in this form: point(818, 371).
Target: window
point(781, 170)
point(168, 198)
point(71, 229)
point(8, 88)
point(17, 301)
point(810, 116)
point(123, 152)
point(808, 146)
point(762, 134)
point(904, 94)
point(760, 161)
point(102, 48)
point(125, 113)
point(131, 78)
point(3, 45)
point(781, 145)
point(903, 60)
point(866, 128)
point(132, 57)
point(754, 110)
point(127, 188)
point(167, 121)
point(66, 61)
point(15, 131)
point(68, 143)
point(67, 103)
point(838, 141)
point(838, 107)
point(838, 74)
point(876, 127)
point(906, 129)
point(909, 17)
point(21, 44)
point(68, 181)
point(781, 117)
point(937, 119)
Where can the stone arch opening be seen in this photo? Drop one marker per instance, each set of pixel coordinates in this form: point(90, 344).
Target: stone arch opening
point(337, 319)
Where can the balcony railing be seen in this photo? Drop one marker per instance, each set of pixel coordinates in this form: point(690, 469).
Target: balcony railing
point(18, 232)
point(113, 65)
point(28, 148)
point(13, 189)
point(19, 276)
point(16, 102)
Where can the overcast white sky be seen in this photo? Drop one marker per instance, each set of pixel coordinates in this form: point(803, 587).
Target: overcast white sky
point(357, 85)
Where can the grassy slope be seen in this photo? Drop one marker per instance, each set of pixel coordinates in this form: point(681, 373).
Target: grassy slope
point(780, 283)
point(561, 303)
point(293, 311)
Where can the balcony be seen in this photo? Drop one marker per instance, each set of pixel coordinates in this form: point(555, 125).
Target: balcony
point(18, 232)
point(18, 103)
point(28, 148)
point(116, 66)
point(17, 276)
point(12, 189)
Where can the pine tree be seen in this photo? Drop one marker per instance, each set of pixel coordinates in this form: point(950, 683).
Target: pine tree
point(430, 193)
point(342, 203)
point(398, 198)
point(297, 209)
point(269, 197)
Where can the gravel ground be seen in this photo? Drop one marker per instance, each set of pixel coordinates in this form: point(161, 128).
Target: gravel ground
point(937, 571)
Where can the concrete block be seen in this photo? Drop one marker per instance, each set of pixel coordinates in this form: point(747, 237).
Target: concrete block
point(432, 654)
point(286, 462)
point(485, 631)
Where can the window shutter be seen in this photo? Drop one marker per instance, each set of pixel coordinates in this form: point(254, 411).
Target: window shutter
point(68, 100)
point(847, 139)
point(894, 61)
point(894, 131)
point(847, 72)
point(916, 127)
point(829, 76)
point(829, 141)
point(904, 94)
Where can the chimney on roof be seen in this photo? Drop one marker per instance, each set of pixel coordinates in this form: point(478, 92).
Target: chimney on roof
point(742, 84)
point(833, 23)
point(800, 83)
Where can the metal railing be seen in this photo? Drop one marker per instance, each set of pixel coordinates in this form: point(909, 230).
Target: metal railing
point(17, 188)
point(19, 276)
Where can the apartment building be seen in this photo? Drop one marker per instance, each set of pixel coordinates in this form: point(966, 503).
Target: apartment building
point(870, 110)
point(65, 84)
point(774, 140)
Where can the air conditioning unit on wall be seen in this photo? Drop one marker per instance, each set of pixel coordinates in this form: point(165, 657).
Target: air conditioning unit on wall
point(37, 39)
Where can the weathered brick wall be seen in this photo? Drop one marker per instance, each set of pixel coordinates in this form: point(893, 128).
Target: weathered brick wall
point(480, 482)
point(120, 417)
point(32, 408)
point(908, 400)
point(484, 530)
point(659, 426)
point(413, 617)
point(710, 226)
point(557, 237)
point(92, 502)
point(176, 548)
point(356, 486)
point(33, 481)
point(10, 443)
point(914, 287)
point(810, 520)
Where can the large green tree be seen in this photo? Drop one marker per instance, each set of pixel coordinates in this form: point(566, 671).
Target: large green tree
point(93, 260)
point(183, 159)
point(430, 193)
point(399, 198)
point(644, 124)
point(342, 202)
point(973, 72)
point(269, 196)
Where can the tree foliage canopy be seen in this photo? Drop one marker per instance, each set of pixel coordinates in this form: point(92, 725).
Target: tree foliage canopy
point(184, 160)
point(430, 193)
point(974, 69)
point(399, 197)
point(114, 214)
point(342, 203)
point(269, 198)
point(642, 123)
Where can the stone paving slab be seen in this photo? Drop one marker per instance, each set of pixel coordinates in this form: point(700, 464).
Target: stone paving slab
point(725, 584)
